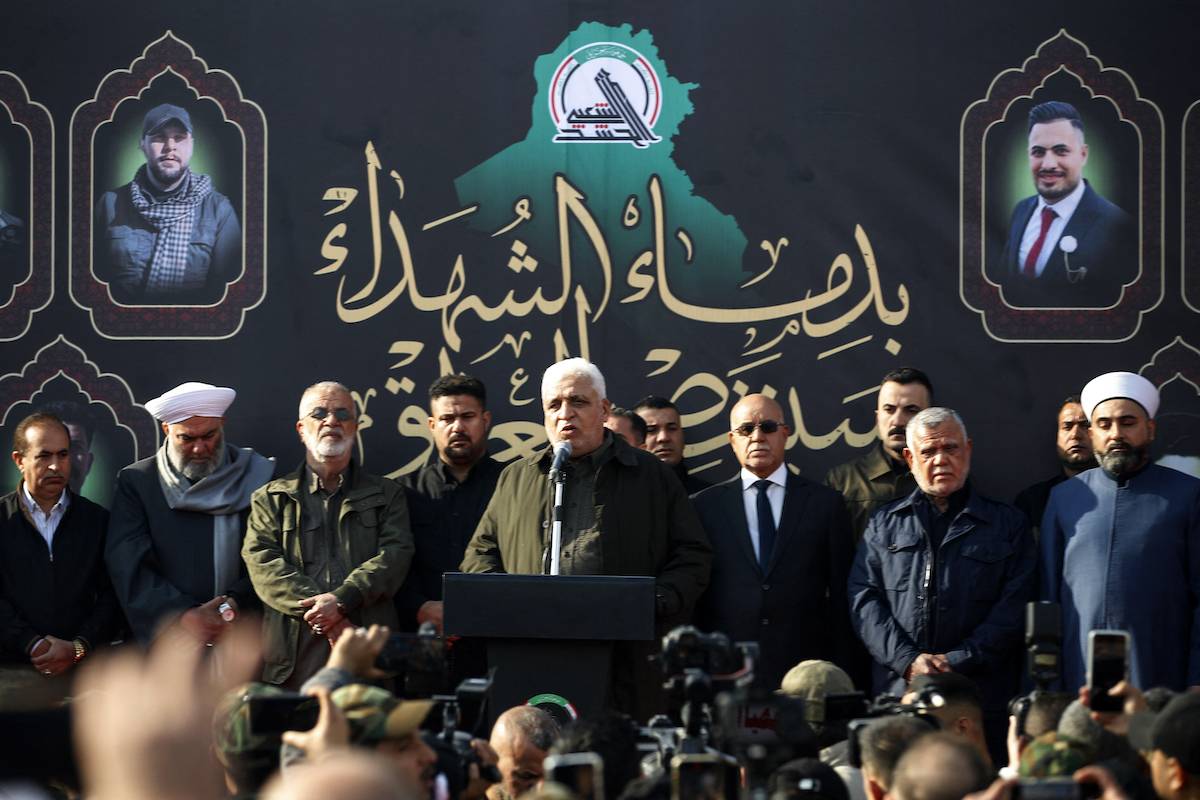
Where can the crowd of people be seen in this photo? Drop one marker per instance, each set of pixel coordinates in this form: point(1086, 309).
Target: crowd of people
point(893, 577)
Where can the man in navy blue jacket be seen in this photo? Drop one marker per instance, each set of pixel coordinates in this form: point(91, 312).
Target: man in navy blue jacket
point(942, 576)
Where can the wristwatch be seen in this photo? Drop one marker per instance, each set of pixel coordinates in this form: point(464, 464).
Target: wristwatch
point(80, 650)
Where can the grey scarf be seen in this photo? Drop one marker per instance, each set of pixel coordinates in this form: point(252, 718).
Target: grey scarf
point(224, 494)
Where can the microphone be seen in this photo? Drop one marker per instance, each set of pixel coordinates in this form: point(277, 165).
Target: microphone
point(562, 452)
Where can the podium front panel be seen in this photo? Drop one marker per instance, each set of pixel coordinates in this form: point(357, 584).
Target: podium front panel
point(589, 607)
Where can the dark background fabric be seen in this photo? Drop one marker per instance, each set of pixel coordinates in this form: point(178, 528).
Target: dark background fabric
point(807, 121)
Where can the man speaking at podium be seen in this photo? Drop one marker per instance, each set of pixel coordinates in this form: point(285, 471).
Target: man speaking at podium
point(623, 513)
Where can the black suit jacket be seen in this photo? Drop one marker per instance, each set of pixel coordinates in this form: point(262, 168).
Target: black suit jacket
point(1107, 250)
point(797, 610)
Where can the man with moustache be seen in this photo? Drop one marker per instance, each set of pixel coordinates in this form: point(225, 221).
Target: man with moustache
point(1067, 246)
point(781, 552)
point(1120, 545)
point(177, 519)
point(665, 438)
point(56, 602)
point(623, 514)
point(167, 236)
point(1074, 446)
point(881, 475)
point(326, 546)
point(941, 579)
point(447, 496)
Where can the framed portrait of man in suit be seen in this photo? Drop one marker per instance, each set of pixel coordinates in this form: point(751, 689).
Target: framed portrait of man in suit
point(1062, 201)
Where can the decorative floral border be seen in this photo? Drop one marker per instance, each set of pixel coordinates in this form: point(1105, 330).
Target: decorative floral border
point(62, 357)
point(37, 289)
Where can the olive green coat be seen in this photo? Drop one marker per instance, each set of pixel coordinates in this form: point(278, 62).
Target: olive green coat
point(647, 527)
point(867, 483)
point(373, 532)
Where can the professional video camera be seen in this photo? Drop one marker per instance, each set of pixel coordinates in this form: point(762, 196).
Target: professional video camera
point(419, 665)
point(725, 720)
point(1043, 643)
point(926, 699)
point(698, 666)
point(1043, 653)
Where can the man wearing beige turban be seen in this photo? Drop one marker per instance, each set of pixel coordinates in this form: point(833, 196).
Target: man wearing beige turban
point(178, 517)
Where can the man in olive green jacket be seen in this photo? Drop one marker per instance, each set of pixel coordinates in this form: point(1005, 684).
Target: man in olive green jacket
point(625, 513)
point(327, 546)
point(881, 475)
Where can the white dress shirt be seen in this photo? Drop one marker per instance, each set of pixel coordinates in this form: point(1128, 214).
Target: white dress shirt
point(778, 480)
point(1064, 208)
point(46, 524)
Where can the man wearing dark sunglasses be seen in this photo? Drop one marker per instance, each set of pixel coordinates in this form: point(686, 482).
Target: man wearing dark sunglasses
point(781, 552)
point(327, 546)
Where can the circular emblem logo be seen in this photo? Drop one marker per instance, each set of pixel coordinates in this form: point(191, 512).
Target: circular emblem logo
point(605, 93)
point(556, 706)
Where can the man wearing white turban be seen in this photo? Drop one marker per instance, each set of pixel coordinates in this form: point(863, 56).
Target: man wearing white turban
point(178, 518)
point(1121, 543)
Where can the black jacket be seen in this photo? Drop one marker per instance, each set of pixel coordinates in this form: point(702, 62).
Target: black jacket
point(68, 596)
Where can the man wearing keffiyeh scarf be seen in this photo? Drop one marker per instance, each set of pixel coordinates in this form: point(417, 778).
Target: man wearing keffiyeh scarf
point(167, 237)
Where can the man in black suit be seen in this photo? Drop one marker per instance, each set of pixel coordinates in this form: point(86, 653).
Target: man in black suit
point(782, 549)
point(1067, 246)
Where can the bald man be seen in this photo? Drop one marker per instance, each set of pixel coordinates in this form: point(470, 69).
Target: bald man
point(521, 737)
point(782, 549)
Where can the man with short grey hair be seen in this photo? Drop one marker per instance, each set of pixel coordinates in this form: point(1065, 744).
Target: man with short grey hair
point(942, 576)
point(623, 514)
point(326, 546)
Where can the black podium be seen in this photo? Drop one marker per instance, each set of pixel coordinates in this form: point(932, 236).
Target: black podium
point(549, 634)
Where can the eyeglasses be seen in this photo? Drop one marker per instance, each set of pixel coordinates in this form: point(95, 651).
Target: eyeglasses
point(767, 426)
point(340, 414)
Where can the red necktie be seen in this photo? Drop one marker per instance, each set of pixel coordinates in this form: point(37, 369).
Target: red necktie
point(1030, 270)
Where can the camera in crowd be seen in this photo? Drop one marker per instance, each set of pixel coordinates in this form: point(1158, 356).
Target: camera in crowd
point(727, 722)
point(927, 698)
point(418, 663)
point(1043, 654)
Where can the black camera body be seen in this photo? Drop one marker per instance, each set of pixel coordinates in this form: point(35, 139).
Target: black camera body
point(1043, 643)
point(890, 706)
point(687, 648)
point(417, 661)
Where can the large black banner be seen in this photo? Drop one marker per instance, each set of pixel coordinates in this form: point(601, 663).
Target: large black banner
point(705, 198)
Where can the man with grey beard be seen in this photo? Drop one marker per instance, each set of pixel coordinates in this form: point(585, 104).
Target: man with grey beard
point(326, 546)
point(1121, 544)
point(178, 516)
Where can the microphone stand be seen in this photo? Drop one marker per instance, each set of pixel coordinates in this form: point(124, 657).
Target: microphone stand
point(559, 477)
